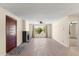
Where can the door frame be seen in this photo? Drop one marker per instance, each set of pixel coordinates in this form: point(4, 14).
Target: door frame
point(73, 22)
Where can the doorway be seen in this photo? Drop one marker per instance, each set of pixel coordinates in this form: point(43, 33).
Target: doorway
point(73, 35)
point(11, 33)
point(39, 31)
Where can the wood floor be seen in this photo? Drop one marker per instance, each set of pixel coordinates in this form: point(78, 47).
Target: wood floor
point(43, 47)
point(73, 42)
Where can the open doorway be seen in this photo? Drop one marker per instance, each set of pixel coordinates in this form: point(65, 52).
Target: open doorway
point(39, 31)
point(73, 34)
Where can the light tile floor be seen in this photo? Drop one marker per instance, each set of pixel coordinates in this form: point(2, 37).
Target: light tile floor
point(43, 47)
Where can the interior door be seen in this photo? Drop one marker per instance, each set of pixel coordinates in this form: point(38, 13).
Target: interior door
point(11, 33)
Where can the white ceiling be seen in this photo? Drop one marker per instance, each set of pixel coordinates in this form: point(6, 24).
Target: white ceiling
point(42, 11)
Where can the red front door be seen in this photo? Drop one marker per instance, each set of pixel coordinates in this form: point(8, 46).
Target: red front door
point(11, 33)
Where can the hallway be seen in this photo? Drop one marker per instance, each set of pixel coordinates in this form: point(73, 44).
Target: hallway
point(43, 47)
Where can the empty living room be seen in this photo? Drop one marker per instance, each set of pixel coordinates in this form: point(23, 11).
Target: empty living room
point(39, 29)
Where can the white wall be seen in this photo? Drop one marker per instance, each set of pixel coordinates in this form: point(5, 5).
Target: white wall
point(27, 25)
point(19, 32)
point(3, 14)
point(49, 30)
point(77, 30)
point(24, 25)
point(61, 31)
point(2, 33)
point(78, 34)
point(30, 30)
